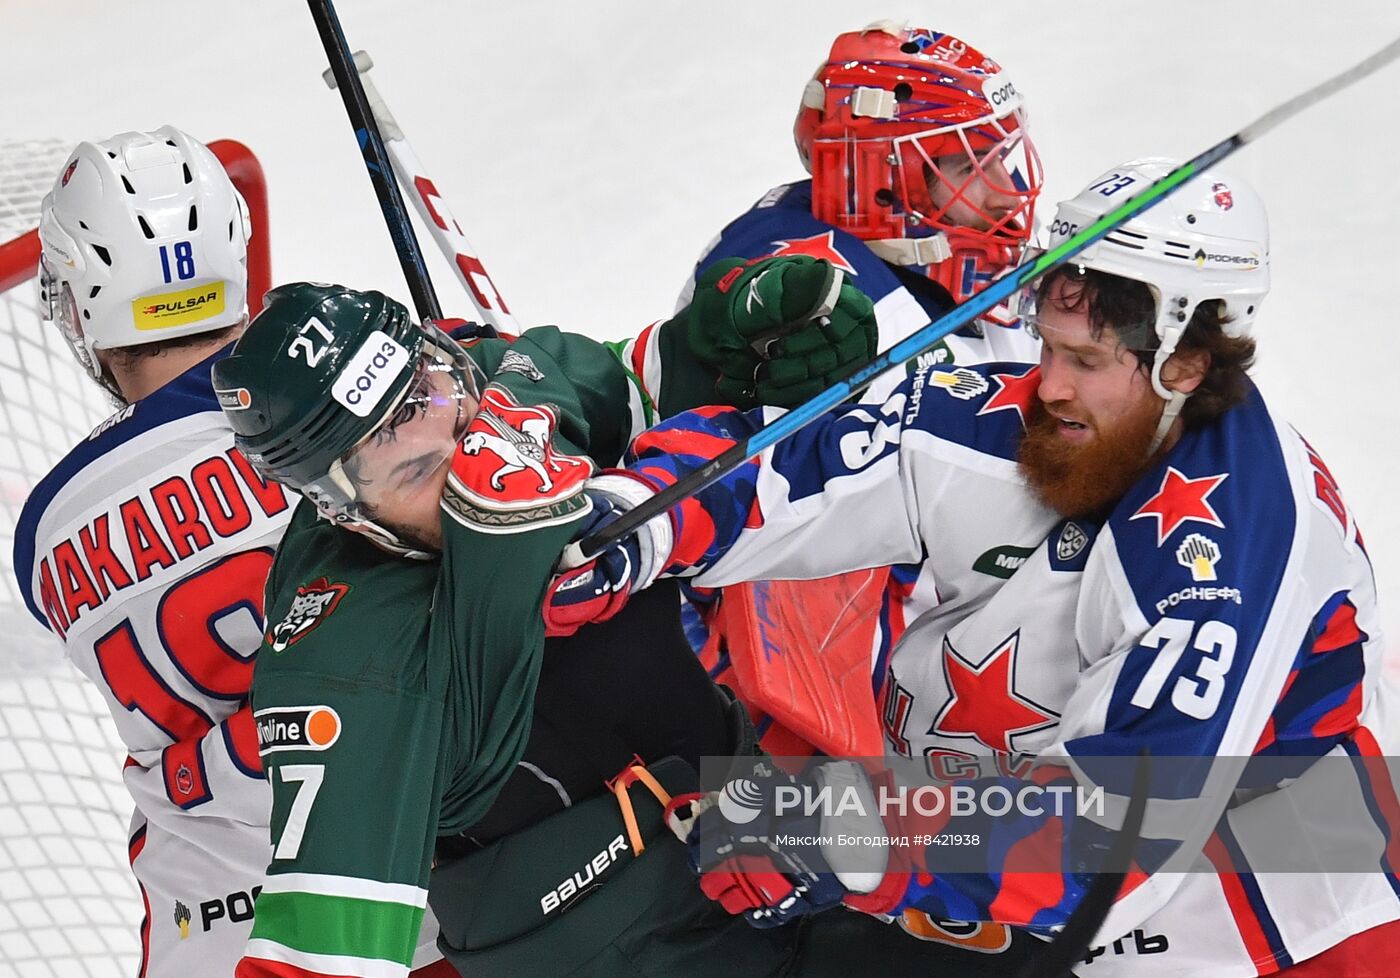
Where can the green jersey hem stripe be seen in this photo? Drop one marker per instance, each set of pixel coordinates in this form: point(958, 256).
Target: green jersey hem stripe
point(315, 924)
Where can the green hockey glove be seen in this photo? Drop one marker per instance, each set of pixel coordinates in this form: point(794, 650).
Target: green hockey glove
point(779, 330)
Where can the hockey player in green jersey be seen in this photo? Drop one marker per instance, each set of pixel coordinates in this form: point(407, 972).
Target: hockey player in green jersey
point(412, 724)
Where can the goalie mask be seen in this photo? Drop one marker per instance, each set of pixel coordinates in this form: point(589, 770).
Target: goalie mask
point(917, 144)
point(144, 239)
point(341, 396)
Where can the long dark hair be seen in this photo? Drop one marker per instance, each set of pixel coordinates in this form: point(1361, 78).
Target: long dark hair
point(1126, 306)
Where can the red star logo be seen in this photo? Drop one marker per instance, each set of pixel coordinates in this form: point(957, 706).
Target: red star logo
point(1015, 392)
point(1181, 500)
point(818, 246)
point(984, 703)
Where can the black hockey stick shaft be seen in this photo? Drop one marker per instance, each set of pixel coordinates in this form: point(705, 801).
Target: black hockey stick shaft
point(381, 174)
point(1000, 290)
point(1072, 943)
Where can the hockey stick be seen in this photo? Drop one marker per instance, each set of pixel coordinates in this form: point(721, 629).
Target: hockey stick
point(432, 209)
point(1073, 940)
point(1004, 287)
point(420, 285)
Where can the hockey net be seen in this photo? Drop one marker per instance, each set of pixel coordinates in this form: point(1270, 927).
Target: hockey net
point(69, 905)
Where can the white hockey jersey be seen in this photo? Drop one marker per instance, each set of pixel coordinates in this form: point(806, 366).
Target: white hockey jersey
point(1226, 608)
point(146, 551)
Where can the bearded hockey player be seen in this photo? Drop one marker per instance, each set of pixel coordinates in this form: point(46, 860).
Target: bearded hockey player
point(1190, 583)
point(411, 719)
point(923, 187)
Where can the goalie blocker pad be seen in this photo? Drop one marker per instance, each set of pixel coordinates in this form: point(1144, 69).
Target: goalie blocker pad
point(800, 658)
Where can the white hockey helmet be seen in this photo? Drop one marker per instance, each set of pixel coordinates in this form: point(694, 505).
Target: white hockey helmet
point(1209, 240)
point(144, 239)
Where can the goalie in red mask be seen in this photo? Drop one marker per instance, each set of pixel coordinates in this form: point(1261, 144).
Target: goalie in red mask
point(923, 187)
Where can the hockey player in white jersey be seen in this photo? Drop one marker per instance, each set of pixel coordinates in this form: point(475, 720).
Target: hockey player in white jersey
point(146, 549)
point(1187, 579)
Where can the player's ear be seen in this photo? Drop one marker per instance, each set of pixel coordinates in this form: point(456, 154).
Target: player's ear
point(1185, 369)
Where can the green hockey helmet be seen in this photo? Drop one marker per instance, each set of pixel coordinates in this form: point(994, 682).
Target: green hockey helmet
point(325, 373)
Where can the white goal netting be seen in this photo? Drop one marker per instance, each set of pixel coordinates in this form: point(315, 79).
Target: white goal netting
point(68, 903)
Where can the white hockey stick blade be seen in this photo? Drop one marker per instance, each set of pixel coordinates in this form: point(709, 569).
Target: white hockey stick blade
point(433, 211)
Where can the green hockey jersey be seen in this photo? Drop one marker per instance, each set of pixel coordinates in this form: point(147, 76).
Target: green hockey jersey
point(394, 697)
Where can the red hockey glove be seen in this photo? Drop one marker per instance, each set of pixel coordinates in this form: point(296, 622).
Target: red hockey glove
point(597, 590)
point(741, 864)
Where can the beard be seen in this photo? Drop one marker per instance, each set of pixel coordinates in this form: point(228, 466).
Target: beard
point(1084, 480)
point(426, 538)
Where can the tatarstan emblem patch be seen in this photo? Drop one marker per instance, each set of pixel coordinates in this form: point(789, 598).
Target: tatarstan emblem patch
point(312, 604)
point(507, 476)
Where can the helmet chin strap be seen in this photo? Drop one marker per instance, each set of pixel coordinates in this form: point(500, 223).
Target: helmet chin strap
point(389, 542)
point(1175, 399)
point(928, 253)
point(1169, 414)
point(913, 251)
point(380, 536)
point(103, 375)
